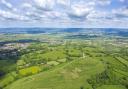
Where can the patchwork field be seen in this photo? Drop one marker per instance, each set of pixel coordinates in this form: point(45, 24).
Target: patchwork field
point(58, 61)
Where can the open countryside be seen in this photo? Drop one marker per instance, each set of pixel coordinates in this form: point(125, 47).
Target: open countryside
point(64, 59)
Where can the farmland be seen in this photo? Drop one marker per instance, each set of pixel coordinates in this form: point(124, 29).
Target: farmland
point(64, 60)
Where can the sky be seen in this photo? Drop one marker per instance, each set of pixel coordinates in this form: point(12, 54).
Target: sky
point(64, 13)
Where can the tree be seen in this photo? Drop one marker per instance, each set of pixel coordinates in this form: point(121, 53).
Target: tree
point(81, 87)
point(21, 62)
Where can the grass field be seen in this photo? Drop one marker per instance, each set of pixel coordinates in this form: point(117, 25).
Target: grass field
point(72, 75)
point(111, 87)
point(72, 64)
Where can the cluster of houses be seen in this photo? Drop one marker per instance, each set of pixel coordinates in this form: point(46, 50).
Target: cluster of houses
point(12, 46)
point(11, 49)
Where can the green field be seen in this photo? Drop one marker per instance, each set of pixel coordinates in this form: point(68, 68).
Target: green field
point(112, 87)
point(68, 64)
point(72, 75)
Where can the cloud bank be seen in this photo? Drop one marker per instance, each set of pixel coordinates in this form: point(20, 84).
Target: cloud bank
point(66, 12)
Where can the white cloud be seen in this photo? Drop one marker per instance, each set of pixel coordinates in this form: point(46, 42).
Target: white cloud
point(26, 5)
point(27, 8)
point(64, 2)
point(121, 0)
point(80, 10)
point(98, 15)
point(7, 4)
point(56, 15)
point(124, 1)
point(121, 12)
point(103, 2)
point(35, 16)
point(45, 4)
point(11, 16)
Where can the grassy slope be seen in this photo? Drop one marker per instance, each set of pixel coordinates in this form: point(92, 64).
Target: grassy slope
point(112, 87)
point(70, 75)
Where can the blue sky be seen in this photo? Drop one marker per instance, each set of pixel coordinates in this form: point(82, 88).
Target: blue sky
point(64, 13)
